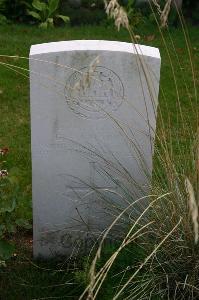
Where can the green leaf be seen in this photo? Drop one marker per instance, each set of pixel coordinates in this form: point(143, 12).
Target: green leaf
point(64, 18)
point(53, 5)
point(2, 229)
point(43, 25)
point(26, 4)
point(3, 19)
point(50, 22)
point(6, 249)
point(23, 223)
point(13, 206)
point(41, 6)
point(9, 209)
point(11, 228)
point(34, 14)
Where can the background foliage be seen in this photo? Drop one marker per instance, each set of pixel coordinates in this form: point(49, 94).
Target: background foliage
point(15, 10)
point(91, 11)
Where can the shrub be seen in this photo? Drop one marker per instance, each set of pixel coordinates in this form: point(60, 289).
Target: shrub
point(86, 14)
point(93, 3)
point(15, 10)
point(191, 10)
point(3, 20)
point(46, 13)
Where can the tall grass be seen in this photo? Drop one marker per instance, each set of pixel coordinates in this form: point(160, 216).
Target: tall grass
point(167, 229)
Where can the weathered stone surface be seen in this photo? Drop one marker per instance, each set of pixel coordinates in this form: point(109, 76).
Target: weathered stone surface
point(82, 130)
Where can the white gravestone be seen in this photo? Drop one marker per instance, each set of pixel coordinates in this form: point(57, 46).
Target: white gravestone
point(92, 103)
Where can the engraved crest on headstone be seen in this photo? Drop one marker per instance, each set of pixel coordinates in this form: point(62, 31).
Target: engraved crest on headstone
point(103, 94)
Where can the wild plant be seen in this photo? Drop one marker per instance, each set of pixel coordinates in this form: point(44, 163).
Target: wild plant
point(9, 203)
point(45, 12)
point(168, 234)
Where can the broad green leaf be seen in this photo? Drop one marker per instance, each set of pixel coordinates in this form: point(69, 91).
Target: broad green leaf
point(34, 14)
point(43, 25)
point(6, 249)
point(26, 4)
point(53, 5)
point(64, 18)
point(41, 6)
point(50, 22)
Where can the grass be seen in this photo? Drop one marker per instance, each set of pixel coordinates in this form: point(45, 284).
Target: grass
point(23, 279)
point(169, 234)
point(26, 279)
point(14, 97)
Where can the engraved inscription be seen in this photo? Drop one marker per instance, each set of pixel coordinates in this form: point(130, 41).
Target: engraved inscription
point(104, 93)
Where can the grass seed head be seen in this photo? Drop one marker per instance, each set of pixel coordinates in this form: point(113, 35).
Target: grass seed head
point(193, 207)
point(115, 11)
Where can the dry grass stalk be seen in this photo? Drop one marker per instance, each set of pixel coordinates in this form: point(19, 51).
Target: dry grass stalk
point(197, 152)
point(166, 215)
point(193, 207)
point(97, 279)
point(86, 77)
point(165, 13)
point(157, 6)
point(147, 259)
point(176, 243)
point(115, 11)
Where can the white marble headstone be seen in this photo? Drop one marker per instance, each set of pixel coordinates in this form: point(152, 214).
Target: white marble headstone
point(93, 110)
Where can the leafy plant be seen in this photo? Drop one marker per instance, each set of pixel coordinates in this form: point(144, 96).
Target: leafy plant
point(3, 19)
point(134, 14)
point(46, 13)
point(93, 3)
point(8, 205)
point(2, 5)
point(191, 10)
point(14, 10)
point(169, 233)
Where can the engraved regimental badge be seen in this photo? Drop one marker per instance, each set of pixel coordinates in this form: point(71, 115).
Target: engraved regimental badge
point(102, 93)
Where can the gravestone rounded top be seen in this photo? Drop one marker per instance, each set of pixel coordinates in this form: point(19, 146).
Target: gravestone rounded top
point(95, 45)
point(93, 120)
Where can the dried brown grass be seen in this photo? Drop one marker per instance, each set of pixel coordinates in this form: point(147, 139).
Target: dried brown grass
point(170, 234)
